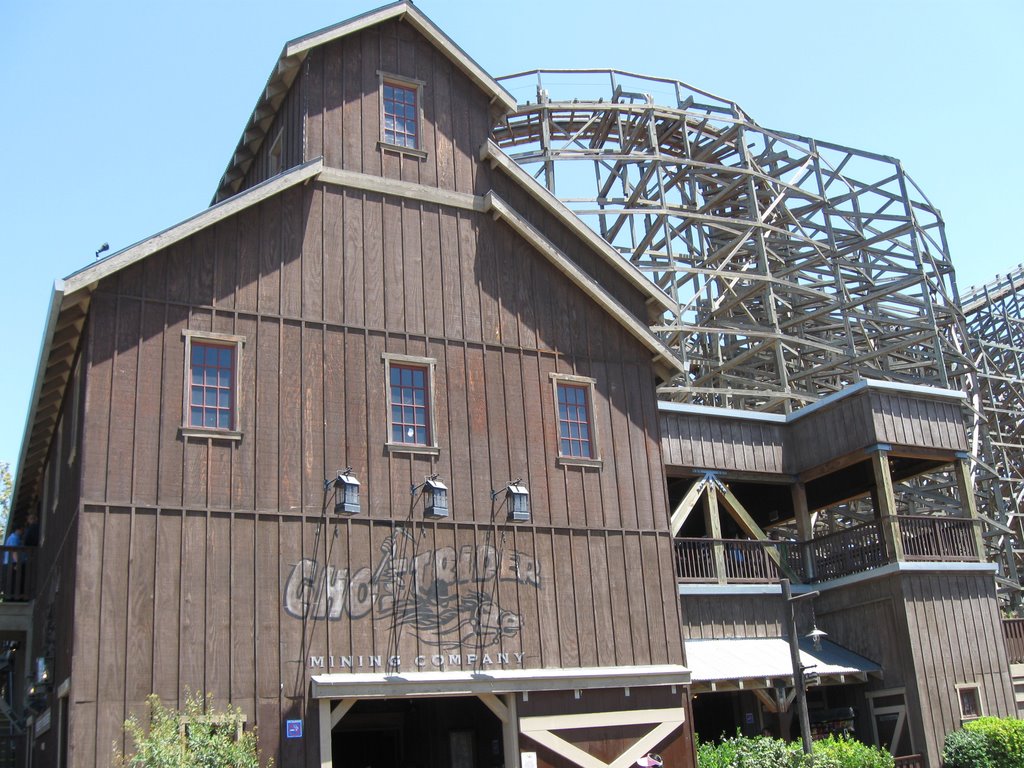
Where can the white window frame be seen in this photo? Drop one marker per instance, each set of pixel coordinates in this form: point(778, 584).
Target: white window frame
point(222, 339)
point(976, 687)
point(430, 364)
point(594, 460)
point(412, 84)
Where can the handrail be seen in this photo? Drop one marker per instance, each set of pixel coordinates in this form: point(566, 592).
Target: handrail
point(16, 571)
point(1013, 631)
point(732, 561)
point(937, 537)
point(852, 550)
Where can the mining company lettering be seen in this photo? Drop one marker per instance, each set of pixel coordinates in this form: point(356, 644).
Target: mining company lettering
point(437, 660)
point(445, 595)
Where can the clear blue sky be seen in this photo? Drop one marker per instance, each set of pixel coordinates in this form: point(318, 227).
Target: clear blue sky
point(120, 115)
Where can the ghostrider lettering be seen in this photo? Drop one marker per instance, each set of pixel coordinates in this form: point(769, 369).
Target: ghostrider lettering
point(445, 596)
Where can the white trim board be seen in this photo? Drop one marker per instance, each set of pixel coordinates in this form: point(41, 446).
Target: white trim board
point(386, 685)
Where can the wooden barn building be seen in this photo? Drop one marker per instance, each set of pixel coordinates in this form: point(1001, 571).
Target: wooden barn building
point(371, 449)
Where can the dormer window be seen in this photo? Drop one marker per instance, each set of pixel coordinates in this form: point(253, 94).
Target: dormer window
point(401, 114)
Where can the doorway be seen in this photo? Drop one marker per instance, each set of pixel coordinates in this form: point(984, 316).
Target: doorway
point(425, 732)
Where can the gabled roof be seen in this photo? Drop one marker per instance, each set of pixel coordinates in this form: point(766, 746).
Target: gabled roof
point(295, 52)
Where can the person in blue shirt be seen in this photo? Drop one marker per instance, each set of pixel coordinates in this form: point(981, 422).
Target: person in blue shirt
point(14, 539)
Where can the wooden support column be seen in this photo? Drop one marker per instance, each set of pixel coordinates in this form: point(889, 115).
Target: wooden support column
point(885, 509)
point(804, 527)
point(713, 525)
point(326, 760)
point(510, 732)
point(965, 488)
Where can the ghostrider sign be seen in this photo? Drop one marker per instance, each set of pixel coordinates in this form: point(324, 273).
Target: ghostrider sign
point(446, 595)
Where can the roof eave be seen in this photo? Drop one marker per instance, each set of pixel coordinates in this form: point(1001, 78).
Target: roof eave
point(658, 302)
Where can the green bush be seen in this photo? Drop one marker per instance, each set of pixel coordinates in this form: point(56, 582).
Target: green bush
point(1004, 740)
point(764, 752)
point(199, 737)
point(966, 749)
point(746, 752)
point(844, 752)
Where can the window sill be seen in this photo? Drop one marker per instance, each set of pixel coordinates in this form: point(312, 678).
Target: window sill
point(212, 434)
point(571, 461)
point(430, 450)
point(384, 146)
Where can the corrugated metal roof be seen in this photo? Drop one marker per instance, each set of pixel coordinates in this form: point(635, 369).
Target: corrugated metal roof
point(766, 658)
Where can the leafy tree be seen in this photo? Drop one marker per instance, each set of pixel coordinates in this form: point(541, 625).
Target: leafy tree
point(198, 737)
point(6, 487)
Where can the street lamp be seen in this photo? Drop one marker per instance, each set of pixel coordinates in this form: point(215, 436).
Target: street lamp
point(798, 669)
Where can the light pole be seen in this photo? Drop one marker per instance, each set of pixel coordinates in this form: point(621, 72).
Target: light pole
point(798, 669)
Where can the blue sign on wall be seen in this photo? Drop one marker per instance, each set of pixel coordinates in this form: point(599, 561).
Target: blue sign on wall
point(293, 729)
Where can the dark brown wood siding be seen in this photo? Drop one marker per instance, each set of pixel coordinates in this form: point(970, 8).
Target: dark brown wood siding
point(956, 638)
point(904, 420)
point(53, 566)
point(289, 124)
point(835, 430)
point(715, 617)
point(229, 536)
point(343, 121)
point(916, 421)
point(695, 441)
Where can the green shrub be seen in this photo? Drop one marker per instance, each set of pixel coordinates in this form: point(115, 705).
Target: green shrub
point(763, 752)
point(844, 752)
point(208, 740)
point(966, 749)
point(746, 752)
point(1003, 739)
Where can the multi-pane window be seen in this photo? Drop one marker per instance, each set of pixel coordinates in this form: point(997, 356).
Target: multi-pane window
point(211, 402)
point(410, 404)
point(401, 115)
point(575, 433)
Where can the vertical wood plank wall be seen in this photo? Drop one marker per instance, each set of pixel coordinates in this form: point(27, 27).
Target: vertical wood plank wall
point(186, 546)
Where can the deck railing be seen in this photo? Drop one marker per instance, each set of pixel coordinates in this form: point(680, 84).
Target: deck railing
point(1013, 631)
point(910, 761)
point(743, 560)
point(931, 537)
point(848, 551)
point(16, 573)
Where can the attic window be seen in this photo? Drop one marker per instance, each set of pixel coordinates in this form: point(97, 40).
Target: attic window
point(275, 159)
point(401, 112)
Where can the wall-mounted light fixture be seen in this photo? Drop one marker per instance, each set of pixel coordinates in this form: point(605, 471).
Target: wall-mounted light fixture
point(518, 498)
point(346, 497)
point(42, 670)
point(436, 493)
